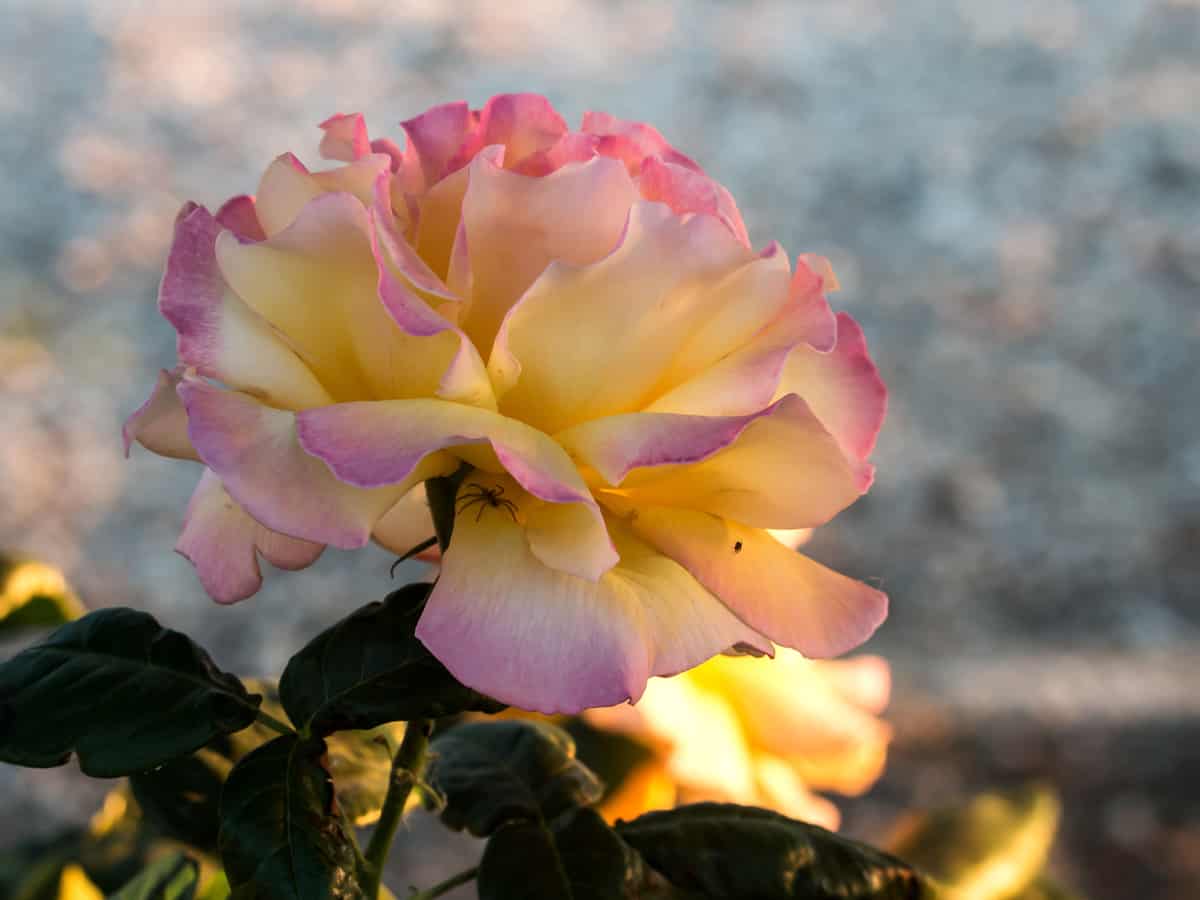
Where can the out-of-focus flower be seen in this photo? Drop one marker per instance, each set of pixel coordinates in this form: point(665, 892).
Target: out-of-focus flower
point(579, 316)
point(757, 731)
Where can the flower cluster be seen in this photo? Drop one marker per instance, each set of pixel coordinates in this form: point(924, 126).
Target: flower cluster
point(579, 316)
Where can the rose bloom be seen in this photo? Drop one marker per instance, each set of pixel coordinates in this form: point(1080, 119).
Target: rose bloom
point(756, 731)
point(580, 317)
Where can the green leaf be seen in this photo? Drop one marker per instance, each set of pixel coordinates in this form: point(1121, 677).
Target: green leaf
point(724, 850)
point(369, 669)
point(173, 877)
point(989, 849)
point(34, 595)
point(611, 755)
point(497, 772)
point(281, 838)
point(181, 799)
point(121, 691)
point(580, 858)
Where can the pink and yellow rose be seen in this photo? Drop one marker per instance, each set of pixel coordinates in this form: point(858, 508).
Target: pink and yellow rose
point(577, 314)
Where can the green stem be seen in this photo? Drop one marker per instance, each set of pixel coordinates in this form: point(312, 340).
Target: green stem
point(408, 767)
point(275, 724)
point(446, 886)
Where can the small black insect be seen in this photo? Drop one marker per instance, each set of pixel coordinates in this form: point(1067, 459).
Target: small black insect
point(483, 497)
point(737, 547)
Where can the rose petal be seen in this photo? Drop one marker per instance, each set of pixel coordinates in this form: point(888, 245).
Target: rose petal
point(287, 187)
point(788, 597)
point(632, 142)
point(406, 525)
point(627, 314)
point(239, 215)
point(516, 225)
point(784, 470)
point(318, 283)
point(434, 138)
point(842, 387)
point(616, 445)
point(379, 443)
point(160, 424)
point(217, 333)
point(813, 277)
point(221, 541)
point(253, 448)
point(687, 191)
point(345, 137)
point(543, 640)
point(525, 124)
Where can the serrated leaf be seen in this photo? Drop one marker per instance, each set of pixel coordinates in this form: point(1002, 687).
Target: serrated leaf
point(281, 838)
point(369, 669)
point(118, 689)
point(173, 877)
point(497, 772)
point(613, 756)
point(989, 849)
point(34, 595)
point(725, 850)
point(580, 858)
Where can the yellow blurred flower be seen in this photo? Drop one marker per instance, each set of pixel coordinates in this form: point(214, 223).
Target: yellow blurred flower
point(757, 731)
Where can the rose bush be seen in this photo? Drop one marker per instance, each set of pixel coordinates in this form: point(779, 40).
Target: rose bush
point(758, 732)
point(580, 317)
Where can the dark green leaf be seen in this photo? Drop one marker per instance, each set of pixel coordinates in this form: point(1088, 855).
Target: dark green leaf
point(581, 858)
point(369, 669)
point(497, 772)
point(181, 799)
point(121, 691)
point(281, 838)
point(173, 877)
point(724, 850)
point(34, 595)
point(989, 849)
point(611, 755)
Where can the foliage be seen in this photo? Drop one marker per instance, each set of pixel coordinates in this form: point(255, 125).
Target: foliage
point(241, 786)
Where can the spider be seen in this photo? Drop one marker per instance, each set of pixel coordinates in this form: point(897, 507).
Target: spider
point(485, 497)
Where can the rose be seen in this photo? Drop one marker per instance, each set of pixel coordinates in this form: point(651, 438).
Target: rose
point(756, 731)
point(576, 314)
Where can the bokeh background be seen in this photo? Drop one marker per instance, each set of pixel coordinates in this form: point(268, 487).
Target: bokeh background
point(1010, 193)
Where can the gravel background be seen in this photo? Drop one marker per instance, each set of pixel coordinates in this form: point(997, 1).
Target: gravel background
point(1010, 193)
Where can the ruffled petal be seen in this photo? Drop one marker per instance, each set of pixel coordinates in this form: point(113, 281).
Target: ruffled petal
point(223, 543)
point(627, 317)
point(687, 191)
point(345, 137)
point(632, 142)
point(784, 470)
point(515, 225)
point(240, 216)
point(253, 448)
point(318, 283)
point(218, 334)
point(160, 424)
point(288, 186)
point(540, 639)
point(371, 444)
point(434, 139)
point(616, 445)
point(842, 387)
point(791, 599)
point(524, 124)
point(814, 278)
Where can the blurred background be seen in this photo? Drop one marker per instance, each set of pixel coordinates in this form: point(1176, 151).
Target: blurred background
point(1010, 194)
